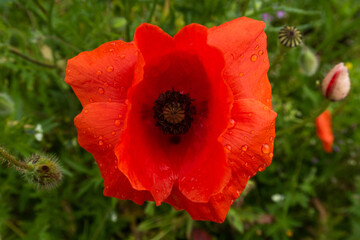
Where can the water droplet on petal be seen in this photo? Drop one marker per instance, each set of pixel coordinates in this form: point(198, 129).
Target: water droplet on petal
point(232, 201)
point(101, 143)
point(106, 84)
point(109, 100)
point(117, 123)
point(265, 148)
point(122, 56)
point(100, 165)
point(254, 57)
point(250, 114)
point(271, 155)
point(101, 91)
point(91, 100)
point(100, 137)
point(111, 50)
point(86, 111)
point(262, 168)
point(244, 148)
point(110, 68)
point(232, 123)
point(252, 131)
point(241, 74)
point(228, 147)
point(113, 133)
point(257, 47)
point(261, 52)
point(98, 73)
point(246, 164)
point(238, 192)
point(271, 139)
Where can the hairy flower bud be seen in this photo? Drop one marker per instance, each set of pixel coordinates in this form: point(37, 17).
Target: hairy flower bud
point(336, 84)
point(309, 62)
point(45, 171)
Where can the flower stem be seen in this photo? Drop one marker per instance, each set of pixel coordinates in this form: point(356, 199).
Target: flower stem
point(11, 160)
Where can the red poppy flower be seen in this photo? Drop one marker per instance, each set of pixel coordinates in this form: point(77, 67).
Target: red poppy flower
point(324, 130)
point(185, 120)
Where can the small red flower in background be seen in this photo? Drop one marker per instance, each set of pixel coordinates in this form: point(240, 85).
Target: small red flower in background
point(324, 130)
point(184, 120)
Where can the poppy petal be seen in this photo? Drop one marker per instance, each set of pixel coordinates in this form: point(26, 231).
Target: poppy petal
point(215, 210)
point(115, 182)
point(243, 43)
point(99, 128)
point(104, 74)
point(249, 141)
point(152, 41)
point(324, 130)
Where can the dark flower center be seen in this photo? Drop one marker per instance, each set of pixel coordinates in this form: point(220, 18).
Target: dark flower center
point(174, 112)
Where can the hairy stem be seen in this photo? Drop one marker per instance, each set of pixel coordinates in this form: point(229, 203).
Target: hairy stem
point(11, 160)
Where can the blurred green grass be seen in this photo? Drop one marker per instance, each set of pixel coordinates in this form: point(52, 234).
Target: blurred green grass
point(321, 192)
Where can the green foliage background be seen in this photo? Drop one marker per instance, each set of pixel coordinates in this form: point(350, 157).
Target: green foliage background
point(321, 192)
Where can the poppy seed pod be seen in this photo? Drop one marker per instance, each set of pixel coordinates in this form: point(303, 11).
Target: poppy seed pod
point(336, 84)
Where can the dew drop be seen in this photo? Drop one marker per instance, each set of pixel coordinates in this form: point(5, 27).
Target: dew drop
point(106, 84)
point(101, 143)
point(109, 145)
point(262, 168)
point(244, 148)
point(110, 68)
point(120, 116)
point(137, 53)
point(101, 91)
point(111, 50)
point(252, 131)
point(271, 155)
point(265, 148)
point(100, 165)
point(238, 192)
point(261, 52)
point(86, 111)
point(122, 56)
point(232, 201)
point(98, 72)
point(257, 47)
point(100, 137)
point(109, 100)
point(246, 164)
point(117, 123)
point(268, 100)
point(266, 108)
point(271, 139)
point(113, 133)
point(91, 100)
point(241, 74)
point(254, 57)
point(250, 114)
point(232, 123)
point(228, 147)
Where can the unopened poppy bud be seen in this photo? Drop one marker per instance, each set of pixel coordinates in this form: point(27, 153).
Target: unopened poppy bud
point(6, 105)
point(336, 84)
point(309, 62)
point(45, 173)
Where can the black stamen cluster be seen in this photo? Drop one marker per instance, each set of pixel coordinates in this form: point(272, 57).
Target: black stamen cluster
point(174, 98)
